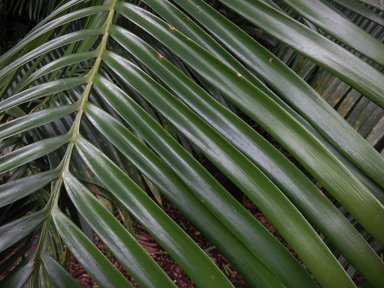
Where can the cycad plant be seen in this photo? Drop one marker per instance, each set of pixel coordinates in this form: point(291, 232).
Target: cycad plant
point(105, 101)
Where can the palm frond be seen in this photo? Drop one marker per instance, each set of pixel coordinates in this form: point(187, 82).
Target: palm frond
point(107, 99)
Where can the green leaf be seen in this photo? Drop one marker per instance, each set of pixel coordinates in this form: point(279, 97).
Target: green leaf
point(196, 263)
point(49, 46)
point(287, 177)
point(355, 6)
point(205, 187)
point(68, 61)
point(15, 190)
point(124, 247)
point(185, 25)
point(340, 27)
point(307, 149)
point(176, 190)
point(60, 63)
point(9, 142)
point(6, 265)
point(58, 275)
point(96, 264)
point(19, 278)
point(31, 152)
point(16, 230)
point(263, 193)
point(15, 112)
point(294, 89)
point(320, 50)
point(49, 26)
point(35, 119)
point(40, 91)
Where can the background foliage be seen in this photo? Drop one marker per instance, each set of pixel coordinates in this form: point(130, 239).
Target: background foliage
point(106, 103)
